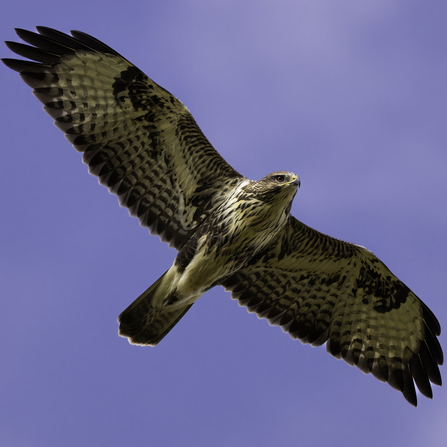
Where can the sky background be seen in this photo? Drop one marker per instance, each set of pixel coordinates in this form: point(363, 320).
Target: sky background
point(351, 95)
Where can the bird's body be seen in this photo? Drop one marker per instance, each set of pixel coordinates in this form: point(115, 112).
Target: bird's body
point(144, 145)
point(223, 244)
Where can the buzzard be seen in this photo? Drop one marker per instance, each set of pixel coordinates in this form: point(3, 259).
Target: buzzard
point(144, 145)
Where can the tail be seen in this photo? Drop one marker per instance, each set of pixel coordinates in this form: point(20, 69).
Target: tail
point(146, 324)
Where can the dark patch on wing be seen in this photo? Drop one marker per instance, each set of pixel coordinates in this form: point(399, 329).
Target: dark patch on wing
point(382, 293)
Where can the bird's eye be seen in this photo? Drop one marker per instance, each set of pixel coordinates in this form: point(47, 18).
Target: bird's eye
point(280, 178)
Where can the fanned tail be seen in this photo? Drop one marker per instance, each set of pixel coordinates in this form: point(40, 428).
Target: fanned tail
point(145, 323)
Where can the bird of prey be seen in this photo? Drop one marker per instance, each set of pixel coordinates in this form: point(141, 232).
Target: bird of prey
point(144, 145)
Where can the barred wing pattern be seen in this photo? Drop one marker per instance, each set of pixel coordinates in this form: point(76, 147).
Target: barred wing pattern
point(320, 289)
point(144, 145)
point(140, 140)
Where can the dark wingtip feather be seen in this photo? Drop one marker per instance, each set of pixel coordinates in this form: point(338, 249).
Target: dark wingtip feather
point(22, 66)
point(60, 37)
point(35, 54)
point(434, 347)
point(430, 319)
point(93, 43)
point(44, 43)
point(401, 381)
point(409, 390)
point(429, 364)
point(10, 63)
point(420, 377)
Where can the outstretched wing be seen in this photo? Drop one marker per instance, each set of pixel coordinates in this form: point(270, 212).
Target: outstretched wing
point(140, 141)
point(320, 289)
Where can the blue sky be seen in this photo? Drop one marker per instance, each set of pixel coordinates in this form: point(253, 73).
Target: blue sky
point(349, 95)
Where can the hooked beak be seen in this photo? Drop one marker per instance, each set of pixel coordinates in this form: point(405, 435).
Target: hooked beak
point(297, 182)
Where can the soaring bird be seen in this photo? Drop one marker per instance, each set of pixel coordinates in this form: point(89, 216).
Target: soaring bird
point(144, 145)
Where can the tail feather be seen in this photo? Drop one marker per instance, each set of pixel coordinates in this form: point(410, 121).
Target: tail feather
point(143, 323)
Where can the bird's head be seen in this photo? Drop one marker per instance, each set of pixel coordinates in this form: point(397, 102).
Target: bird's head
point(281, 179)
point(280, 186)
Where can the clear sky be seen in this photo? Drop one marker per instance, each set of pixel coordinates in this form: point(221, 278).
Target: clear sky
point(351, 95)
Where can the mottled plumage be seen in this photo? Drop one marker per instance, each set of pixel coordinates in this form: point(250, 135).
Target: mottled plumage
point(144, 145)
